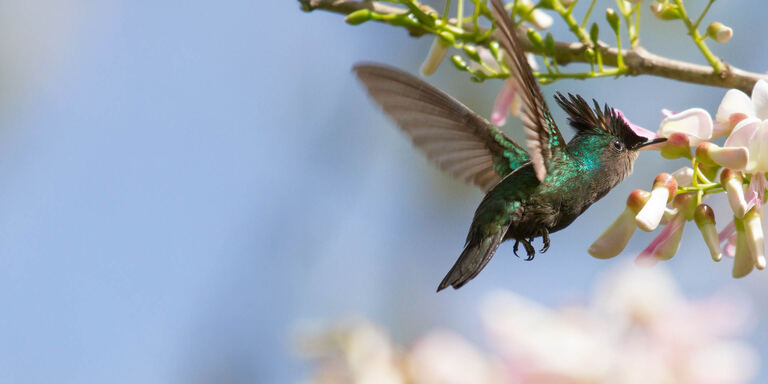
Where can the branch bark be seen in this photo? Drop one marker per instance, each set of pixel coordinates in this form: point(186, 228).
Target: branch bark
point(638, 60)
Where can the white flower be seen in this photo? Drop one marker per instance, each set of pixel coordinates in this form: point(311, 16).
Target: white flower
point(695, 123)
point(737, 106)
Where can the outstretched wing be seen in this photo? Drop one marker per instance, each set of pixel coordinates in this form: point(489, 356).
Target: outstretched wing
point(543, 137)
point(460, 141)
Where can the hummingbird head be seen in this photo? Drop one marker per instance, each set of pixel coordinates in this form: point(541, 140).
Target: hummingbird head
point(604, 132)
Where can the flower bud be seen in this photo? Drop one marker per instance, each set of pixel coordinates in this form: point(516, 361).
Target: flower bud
point(667, 249)
point(635, 1)
point(615, 238)
point(743, 263)
point(677, 145)
point(435, 56)
point(666, 11)
point(753, 230)
point(683, 176)
point(710, 172)
point(358, 17)
point(536, 39)
point(540, 19)
point(734, 189)
point(719, 32)
point(664, 189)
point(472, 52)
point(566, 3)
point(728, 157)
point(685, 203)
point(547, 4)
point(705, 221)
point(594, 33)
point(459, 63)
point(613, 19)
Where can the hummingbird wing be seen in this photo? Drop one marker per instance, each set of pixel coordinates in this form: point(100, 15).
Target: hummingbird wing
point(543, 137)
point(458, 140)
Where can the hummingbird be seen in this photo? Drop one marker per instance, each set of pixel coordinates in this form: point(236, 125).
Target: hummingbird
point(529, 194)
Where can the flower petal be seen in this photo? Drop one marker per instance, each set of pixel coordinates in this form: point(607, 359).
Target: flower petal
point(705, 221)
point(615, 237)
point(727, 232)
point(665, 245)
point(730, 247)
point(638, 130)
point(743, 135)
point(487, 58)
point(435, 56)
point(728, 157)
point(760, 99)
point(503, 102)
point(540, 19)
point(734, 101)
point(756, 191)
point(683, 176)
point(753, 230)
point(743, 262)
point(694, 123)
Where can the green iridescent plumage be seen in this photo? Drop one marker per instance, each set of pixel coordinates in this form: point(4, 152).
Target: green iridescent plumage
point(529, 194)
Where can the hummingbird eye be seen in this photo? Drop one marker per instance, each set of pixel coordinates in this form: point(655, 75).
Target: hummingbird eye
point(617, 145)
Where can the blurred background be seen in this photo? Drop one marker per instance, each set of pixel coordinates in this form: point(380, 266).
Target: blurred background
point(185, 186)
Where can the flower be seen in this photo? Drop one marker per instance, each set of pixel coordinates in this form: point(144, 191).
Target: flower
point(705, 221)
point(737, 106)
point(731, 157)
point(751, 134)
point(664, 189)
point(683, 130)
point(665, 245)
point(734, 189)
point(636, 328)
point(435, 56)
point(638, 130)
point(509, 98)
point(719, 32)
point(617, 235)
point(536, 17)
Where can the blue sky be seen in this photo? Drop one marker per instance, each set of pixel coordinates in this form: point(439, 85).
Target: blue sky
point(184, 184)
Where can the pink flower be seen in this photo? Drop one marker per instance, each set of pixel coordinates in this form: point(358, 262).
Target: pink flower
point(638, 130)
point(509, 98)
point(751, 133)
point(694, 123)
point(737, 106)
point(505, 100)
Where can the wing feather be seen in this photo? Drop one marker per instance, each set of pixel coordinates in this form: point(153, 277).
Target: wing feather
point(458, 140)
point(543, 138)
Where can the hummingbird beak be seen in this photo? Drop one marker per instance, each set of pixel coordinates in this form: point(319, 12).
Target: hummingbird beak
point(644, 146)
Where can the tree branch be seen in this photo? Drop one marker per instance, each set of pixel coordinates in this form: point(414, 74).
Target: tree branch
point(638, 60)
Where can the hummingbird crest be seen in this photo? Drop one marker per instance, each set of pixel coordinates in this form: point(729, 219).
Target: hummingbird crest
point(529, 194)
point(586, 120)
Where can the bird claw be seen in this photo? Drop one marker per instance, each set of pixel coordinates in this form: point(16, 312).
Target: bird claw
point(514, 249)
point(545, 239)
point(528, 249)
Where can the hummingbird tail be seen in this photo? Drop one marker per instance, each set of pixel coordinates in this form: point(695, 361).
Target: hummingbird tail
point(477, 253)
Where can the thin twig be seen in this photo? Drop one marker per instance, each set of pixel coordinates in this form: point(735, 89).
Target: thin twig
point(637, 60)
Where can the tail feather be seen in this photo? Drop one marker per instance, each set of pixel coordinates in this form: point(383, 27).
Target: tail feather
point(477, 253)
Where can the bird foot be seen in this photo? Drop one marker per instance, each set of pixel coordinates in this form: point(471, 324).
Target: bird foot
point(529, 250)
point(545, 239)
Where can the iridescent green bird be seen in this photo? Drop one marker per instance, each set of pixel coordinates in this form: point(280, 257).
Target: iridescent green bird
point(529, 194)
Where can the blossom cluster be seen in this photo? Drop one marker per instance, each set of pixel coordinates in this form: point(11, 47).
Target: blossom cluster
point(637, 328)
point(737, 169)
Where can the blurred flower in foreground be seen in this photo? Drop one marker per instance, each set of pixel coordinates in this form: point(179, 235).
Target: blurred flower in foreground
point(509, 98)
point(636, 329)
point(676, 199)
